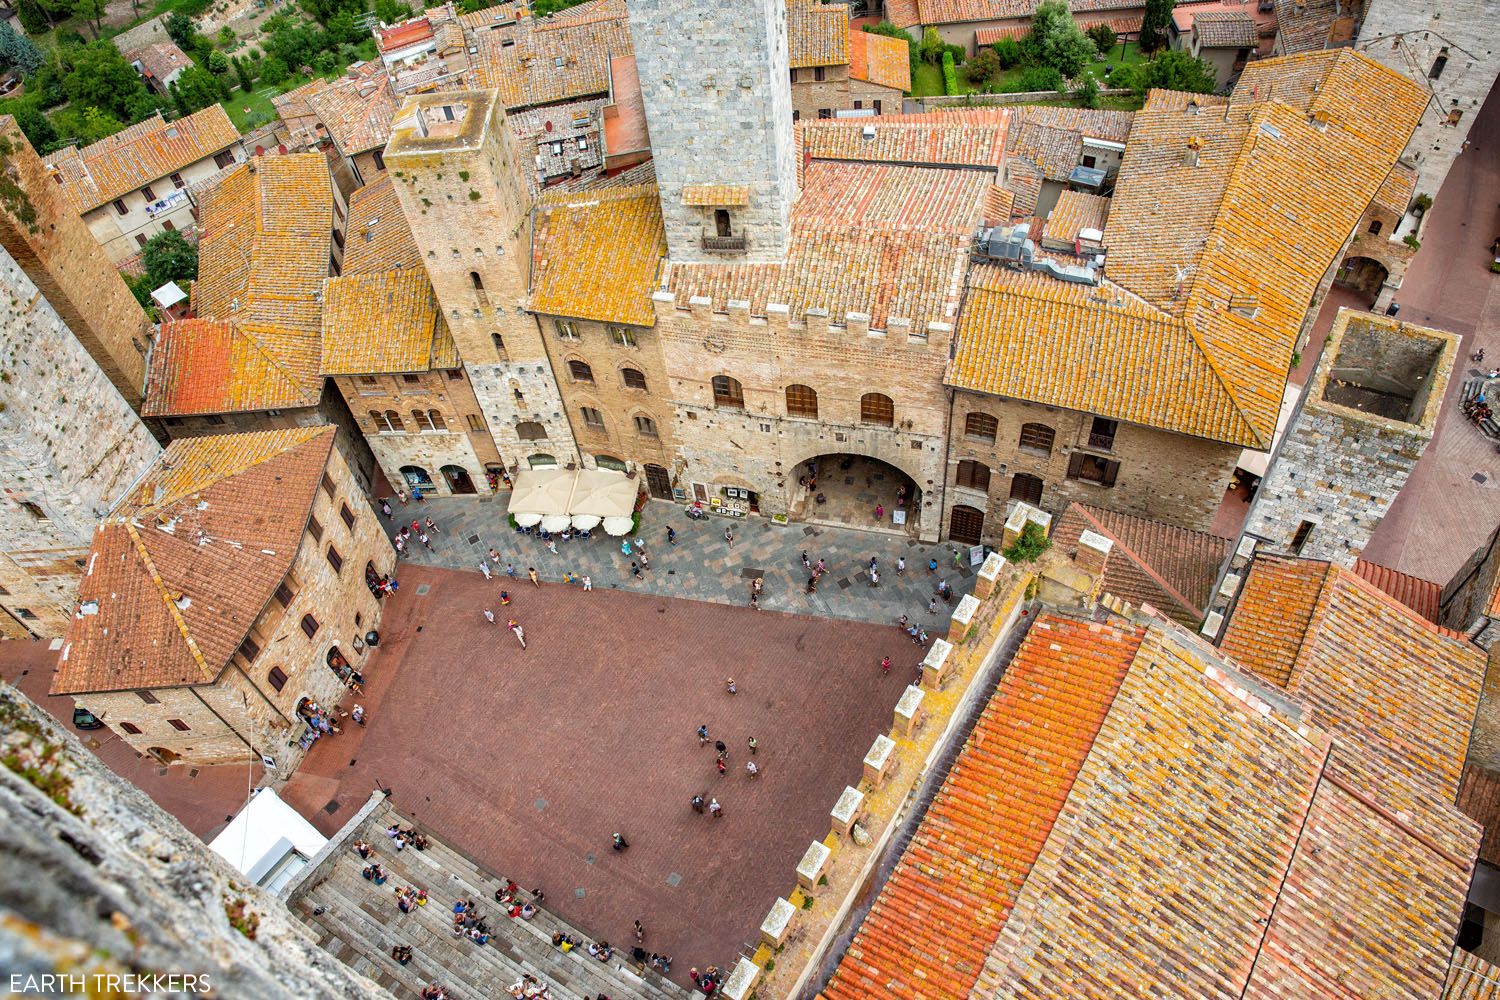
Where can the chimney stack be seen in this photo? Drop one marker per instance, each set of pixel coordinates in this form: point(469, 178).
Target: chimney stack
point(1093, 553)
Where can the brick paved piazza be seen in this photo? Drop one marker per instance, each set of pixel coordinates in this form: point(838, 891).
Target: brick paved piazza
point(528, 761)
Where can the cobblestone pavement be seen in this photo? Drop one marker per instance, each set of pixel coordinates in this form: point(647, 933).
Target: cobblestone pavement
point(702, 566)
point(528, 761)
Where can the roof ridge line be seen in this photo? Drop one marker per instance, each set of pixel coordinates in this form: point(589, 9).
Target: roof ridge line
point(172, 608)
point(1144, 566)
point(161, 505)
point(1314, 621)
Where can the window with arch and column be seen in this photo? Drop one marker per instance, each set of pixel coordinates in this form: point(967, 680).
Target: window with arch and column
point(877, 408)
point(423, 419)
point(728, 392)
point(801, 401)
point(1037, 438)
point(388, 422)
point(981, 427)
point(580, 371)
point(973, 475)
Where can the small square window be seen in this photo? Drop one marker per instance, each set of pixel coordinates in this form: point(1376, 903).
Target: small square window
point(147, 697)
point(283, 595)
point(411, 379)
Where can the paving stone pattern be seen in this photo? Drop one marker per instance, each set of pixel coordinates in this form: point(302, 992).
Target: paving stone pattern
point(702, 566)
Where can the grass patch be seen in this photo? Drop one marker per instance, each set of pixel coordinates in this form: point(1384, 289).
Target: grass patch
point(250, 110)
point(1113, 57)
point(927, 81)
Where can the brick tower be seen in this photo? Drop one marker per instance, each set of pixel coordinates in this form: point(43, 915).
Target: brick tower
point(461, 185)
point(716, 82)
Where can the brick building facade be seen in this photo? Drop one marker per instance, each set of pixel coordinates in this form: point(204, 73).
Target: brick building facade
point(203, 635)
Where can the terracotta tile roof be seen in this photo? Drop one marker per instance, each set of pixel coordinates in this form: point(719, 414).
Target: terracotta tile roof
point(886, 241)
point(817, 34)
point(1471, 978)
point(399, 36)
point(184, 566)
point(1028, 336)
point(903, 13)
point(716, 194)
point(1395, 194)
point(1271, 192)
point(1305, 24)
point(161, 59)
point(550, 134)
point(1170, 568)
point(1225, 30)
point(496, 18)
point(1052, 138)
point(596, 255)
point(1479, 799)
point(556, 59)
point(1397, 692)
point(953, 888)
point(1074, 212)
point(140, 154)
point(376, 323)
point(379, 238)
point(1422, 596)
point(357, 110)
point(301, 120)
point(262, 258)
point(989, 36)
point(976, 138)
point(879, 59)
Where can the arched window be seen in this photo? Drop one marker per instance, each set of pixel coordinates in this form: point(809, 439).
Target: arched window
point(530, 430)
point(801, 401)
point(1025, 488)
point(382, 421)
point(1375, 227)
point(276, 678)
point(394, 420)
point(541, 461)
point(1037, 438)
point(609, 462)
point(981, 427)
point(478, 282)
point(309, 626)
point(973, 475)
point(423, 421)
point(728, 392)
point(580, 371)
point(435, 418)
point(645, 426)
point(633, 379)
point(876, 408)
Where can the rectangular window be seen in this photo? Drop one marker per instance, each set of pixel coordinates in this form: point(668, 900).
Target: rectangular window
point(1102, 433)
point(277, 678)
point(411, 379)
point(131, 728)
point(338, 238)
point(148, 194)
point(1304, 532)
point(825, 112)
point(593, 418)
point(178, 725)
point(818, 73)
point(309, 626)
point(140, 239)
point(794, 74)
point(223, 159)
point(215, 420)
point(147, 697)
point(26, 614)
point(335, 560)
point(328, 486)
point(877, 107)
point(455, 374)
point(314, 528)
point(249, 649)
point(475, 424)
point(566, 330)
point(178, 182)
point(120, 207)
point(167, 225)
point(622, 336)
point(347, 515)
point(1093, 469)
point(283, 595)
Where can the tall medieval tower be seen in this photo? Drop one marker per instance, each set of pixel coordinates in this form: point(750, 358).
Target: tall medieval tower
point(716, 82)
point(72, 366)
point(462, 188)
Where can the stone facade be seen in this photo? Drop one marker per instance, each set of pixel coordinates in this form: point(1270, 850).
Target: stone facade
point(159, 901)
point(1364, 419)
point(1469, 596)
point(714, 80)
point(242, 714)
point(624, 385)
point(1150, 473)
point(1448, 49)
point(823, 91)
point(758, 446)
point(457, 170)
point(429, 422)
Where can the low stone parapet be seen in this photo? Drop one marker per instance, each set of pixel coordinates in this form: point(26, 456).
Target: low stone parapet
point(908, 712)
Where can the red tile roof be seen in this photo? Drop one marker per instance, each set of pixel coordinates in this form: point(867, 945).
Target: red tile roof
point(1422, 596)
point(1479, 798)
point(952, 891)
point(183, 567)
point(399, 36)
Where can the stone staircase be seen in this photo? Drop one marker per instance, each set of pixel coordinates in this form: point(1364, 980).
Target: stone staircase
point(359, 923)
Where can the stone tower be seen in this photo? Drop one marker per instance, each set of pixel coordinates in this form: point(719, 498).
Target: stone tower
point(70, 441)
point(1364, 419)
point(461, 183)
point(715, 78)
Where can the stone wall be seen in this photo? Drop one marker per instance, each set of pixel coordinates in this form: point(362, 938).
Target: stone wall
point(715, 79)
point(868, 95)
point(1410, 38)
point(96, 878)
point(760, 446)
point(122, 236)
point(1466, 597)
point(69, 446)
point(464, 439)
point(810, 95)
point(464, 194)
point(1163, 476)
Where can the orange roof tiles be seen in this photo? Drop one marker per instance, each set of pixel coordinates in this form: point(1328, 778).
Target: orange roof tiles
point(399, 36)
point(597, 254)
point(1422, 596)
point(556, 59)
point(1471, 978)
point(1479, 799)
point(357, 110)
point(379, 238)
point(817, 34)
point(180, 571)
point(715, 194)
point(134, 157)
point(975, 138)
point(944, 905)
point(1074, 212)
point(879, 59)
point(387, 322)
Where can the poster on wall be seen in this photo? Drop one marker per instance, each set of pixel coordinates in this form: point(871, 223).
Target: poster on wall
point(976, 555)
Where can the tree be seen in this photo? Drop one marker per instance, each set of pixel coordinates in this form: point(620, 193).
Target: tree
point(296, 44)
point(98, 75)
point(932, 46)
point(33, 18)
point(1154, 24)
point(17, 52)
point(1103, 37)
point(274, 72)
point(242, 74)
point(983, 67)
point(195, 90)
point(93, 11)
point(1008, 51)
point(180, 29)
point(87, 125)
point(169, 257)
point(36, 125)
point(343, 29)
point(218, 63)
point(1173, 70)
point(391, 11)
point(1087, 92)
point(1056, 40)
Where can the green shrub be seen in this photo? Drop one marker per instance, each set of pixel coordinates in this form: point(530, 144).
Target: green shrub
point(932, 46)
point(1008, 50)
point(1029, 547)
point(1104, 37)
point(1036, 78)
point(1410, 239)
point(983, 67)
point(950, 75)
point(1087, 92)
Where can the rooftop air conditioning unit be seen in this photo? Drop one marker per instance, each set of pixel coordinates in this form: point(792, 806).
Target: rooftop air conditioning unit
point(868, 132)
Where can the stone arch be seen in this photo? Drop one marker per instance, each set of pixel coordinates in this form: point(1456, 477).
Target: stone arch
point(1365, 274)
point(641, 411)
point(849, 448)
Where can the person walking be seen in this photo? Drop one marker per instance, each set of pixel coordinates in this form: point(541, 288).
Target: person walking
point(510, 570)
point(520, 632)
point(671, 535)
point(879, 512)
point(618, 842)
point(900, 565)
point(812, 585)
point(484, 567)
point(698, 804)
point(721, 766)
point(754, 601)
point(645, 560)
point(640, 933)
point(714, 809)
point(494, 555)
point(702, 735)
point(357, 713)
point(729, 686)
point(588, 583)
point(720, 747)
point(432, 527)
point(635, 571)
point(426, 543)
point(932, 606)
point(385, 508)
point(931, 567)
point(489, 616)
point(806, 562)
point(874, 577)
point(531, 575)
point(820, 569)
point(401, 496)
point(885, 664)
point(552, 546)
point(753, 746)
point(752, 769)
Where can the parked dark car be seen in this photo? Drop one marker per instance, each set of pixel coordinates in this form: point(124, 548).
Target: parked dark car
point(84, 719)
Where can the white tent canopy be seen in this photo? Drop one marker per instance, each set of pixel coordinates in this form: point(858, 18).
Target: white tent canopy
point(559, 493)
